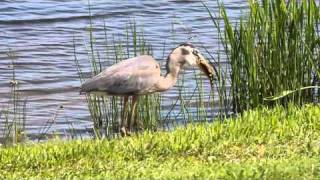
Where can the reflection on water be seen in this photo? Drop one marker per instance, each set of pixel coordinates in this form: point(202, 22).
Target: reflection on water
point(41, 33)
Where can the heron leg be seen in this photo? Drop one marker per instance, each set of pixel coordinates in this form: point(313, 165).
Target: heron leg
point(124, 123)
point(133, 117)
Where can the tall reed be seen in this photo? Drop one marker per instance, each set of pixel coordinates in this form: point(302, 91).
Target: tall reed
point(275, 47)
point(13, 114)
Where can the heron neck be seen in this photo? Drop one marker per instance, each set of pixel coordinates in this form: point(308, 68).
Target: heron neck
point(172, 75)
point(170, 79)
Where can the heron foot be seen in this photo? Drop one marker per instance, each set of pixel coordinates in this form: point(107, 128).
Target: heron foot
point(125, 131)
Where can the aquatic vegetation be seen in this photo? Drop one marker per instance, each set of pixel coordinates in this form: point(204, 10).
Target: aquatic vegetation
point(106, 111)
point(13, 114)
point(274, 48)
point(263, 143)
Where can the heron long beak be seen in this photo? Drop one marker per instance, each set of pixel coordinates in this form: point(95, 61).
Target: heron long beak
point(206, 67)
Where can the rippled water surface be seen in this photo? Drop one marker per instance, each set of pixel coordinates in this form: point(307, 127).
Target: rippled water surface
point(41, 32)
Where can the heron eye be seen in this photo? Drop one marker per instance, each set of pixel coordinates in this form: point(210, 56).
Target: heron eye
point(184, 51)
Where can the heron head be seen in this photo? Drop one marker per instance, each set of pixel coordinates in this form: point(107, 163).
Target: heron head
point(186, 53)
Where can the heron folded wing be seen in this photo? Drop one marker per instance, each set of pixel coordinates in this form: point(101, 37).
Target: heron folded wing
point(129, 77)
point(131, 83)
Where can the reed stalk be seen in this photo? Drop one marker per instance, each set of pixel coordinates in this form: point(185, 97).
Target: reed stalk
point(13, 115)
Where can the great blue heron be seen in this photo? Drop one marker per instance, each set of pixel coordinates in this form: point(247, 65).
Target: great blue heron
point(141, 75)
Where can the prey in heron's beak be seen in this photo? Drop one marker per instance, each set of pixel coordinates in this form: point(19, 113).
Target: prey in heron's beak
point(205, 66)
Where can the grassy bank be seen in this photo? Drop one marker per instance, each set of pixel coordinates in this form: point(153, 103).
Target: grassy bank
point(261, 144)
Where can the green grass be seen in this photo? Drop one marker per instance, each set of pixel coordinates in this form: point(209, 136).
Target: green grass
point(273, 48)
point(260, 144)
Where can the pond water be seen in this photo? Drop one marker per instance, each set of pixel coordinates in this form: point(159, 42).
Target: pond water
point(41, 34)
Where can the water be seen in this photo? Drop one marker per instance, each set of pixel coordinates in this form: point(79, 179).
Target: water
point(41, 34)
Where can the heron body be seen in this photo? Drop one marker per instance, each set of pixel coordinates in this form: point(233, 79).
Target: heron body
point(141, 75)
point(135, 76)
